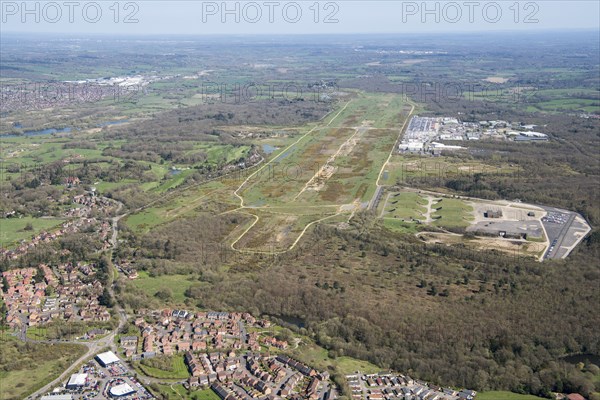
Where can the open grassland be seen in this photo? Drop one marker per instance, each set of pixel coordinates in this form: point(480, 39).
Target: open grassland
point(405, 206)
point(13, 230)
point(404, 168)
point(165, 368)
point(187, 203)
point(337, 163)
point(274, 232)
point(400, 226)
point(177, 284)
point(400, 209)
point(282, 180)
point(318, 358)
point(451, 213)
point(582, 105)
point(26, 367)
point(178, 392)
point(502, 395)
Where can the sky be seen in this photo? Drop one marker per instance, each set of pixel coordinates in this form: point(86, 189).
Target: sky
point(144, 17)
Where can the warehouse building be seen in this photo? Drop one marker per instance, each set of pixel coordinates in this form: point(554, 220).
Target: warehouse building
point(57, 397)
point(105, 359)
point(121, 390)
point(77, 381)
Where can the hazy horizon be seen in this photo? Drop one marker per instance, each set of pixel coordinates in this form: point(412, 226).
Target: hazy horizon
point(344, 17)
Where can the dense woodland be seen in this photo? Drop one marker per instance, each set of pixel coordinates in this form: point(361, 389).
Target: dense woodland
point(475, 319)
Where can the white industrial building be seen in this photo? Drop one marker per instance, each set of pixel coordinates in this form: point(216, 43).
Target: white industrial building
point(76, 381)
point(121, 390)
point(57, 397)
point(411, 147)
point(105, 359)
point(441, 146)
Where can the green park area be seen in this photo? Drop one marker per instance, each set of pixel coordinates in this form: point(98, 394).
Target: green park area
point(13, 230)
point(164, 367)
point(178, 392)
point(503, 395)
point(175, 285)
point(26, 367)
point(451, 213)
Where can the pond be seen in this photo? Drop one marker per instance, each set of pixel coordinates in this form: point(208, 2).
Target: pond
point(41, 132)
point(109, 123)
point(284, 155)
point(268, 149)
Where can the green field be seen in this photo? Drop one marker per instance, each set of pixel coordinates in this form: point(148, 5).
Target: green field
point(318, 358)
point(451, 213)
point(353, 142)
point(12, 230)
point(24, 368)
point(402, 169)
point(400, 226)
point(499, 395)
point(177, 370)
point(186, 202)
point(404, 206)
point(177, 392)
point(348, 365)
point(400, 211)
point(178, 284)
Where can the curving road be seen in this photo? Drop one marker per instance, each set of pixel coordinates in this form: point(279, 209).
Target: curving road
point(93, 346)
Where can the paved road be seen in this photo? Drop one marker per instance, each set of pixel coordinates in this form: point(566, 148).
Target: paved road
point(560, 238)
point(93, 346)
point(398, 139)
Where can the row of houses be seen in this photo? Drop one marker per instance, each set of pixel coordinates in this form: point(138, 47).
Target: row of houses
point(172, 331)
point(81, 218)
point(46, 237)
point(303, 368)
point(175, 331)
point(388, 386)
point(265, 377)
point(63, 294)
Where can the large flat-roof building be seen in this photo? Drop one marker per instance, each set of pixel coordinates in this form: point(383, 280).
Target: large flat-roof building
point(107, 358)
point(76, 381)
point(121, 390)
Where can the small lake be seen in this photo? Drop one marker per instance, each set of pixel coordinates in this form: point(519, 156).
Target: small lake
point(284, 155)
point(41, 132)
point(268, 149)
point(109, 123)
